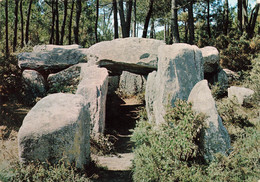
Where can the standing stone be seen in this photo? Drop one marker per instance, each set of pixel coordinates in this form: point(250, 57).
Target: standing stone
point(240, 93)
point(66, 80)
point(93, 87)
point(150, 96)
point(180, 67)
point(56, 128)
point(211, 59)
point(131, 84)
point(215, 137)
point(113, 84)
point(34, 85)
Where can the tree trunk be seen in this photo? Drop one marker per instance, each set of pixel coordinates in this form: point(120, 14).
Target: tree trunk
point(129, 6)
point(244, 14)
point(122, 18)
point(70, 23)
point(28, 22)
point(174, 23)
point(152, 34)
point(15, 24)
point(57, 22)
point(76, 28)
point(96, 24)
point(115, 19)
point(6, 29)
point(21, 15)
point(53, 23)
point(239, 14)
point(252, 22)
point(191, 22)
point(147, 19)
point(134, 22)
point(64, 21)
point(226, 21)
point(208, 19)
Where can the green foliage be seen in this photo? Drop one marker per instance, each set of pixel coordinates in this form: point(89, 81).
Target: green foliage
point(233, 114)
point(253, 80)
point(218, 91)
point(10, 74)
point(236, 54)
point(102, 145)
point(46, 172)
point(242, 164)
point(167, 151)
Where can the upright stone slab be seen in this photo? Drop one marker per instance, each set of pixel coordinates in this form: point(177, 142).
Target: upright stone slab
point(131, 84)
point(56, 128)
point(34, 85)
point(180, 67)
point(211, 59)
point(150, 96)
point(66, 80)
point(93, 87)
point(215, 137)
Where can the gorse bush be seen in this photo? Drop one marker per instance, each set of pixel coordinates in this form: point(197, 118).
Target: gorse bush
point(170, 152)
point(242, 164)
point(237, 54)
point(46, 172)
point(232, 113)
point(167, 151)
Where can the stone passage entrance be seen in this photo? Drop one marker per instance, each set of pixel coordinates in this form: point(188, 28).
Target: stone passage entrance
point(121, 116)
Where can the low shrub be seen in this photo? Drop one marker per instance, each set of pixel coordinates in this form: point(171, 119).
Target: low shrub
point(232, 113)
point(46, 172)
point(102, 145)
point(235, 54)
point(242, 164)
point(218, 91)
point(168, 151)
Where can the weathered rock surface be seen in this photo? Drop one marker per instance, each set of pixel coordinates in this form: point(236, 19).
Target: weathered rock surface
point(66, 80)
point(211, 59)
point(56, 128)
point(215, 137)
point(180, 67)
point(93, 87)
point(150, 96)
point(240, 93)
point(50, 47)
point(136, 55)
point(50, 58)
point(222, 78)
point(34, 85)
point(232, 76)
point(113, 84)
point(131, 84)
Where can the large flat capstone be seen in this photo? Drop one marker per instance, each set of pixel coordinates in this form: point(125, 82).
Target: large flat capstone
point(136, 55)
point(48, 59)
